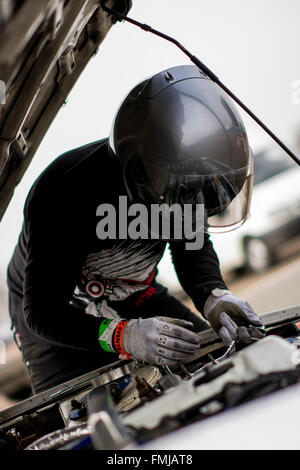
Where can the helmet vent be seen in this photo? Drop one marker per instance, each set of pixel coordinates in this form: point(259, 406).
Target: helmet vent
point(169, 77)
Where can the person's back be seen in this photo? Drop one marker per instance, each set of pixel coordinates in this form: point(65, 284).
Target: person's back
point(59, 262)
point(62, 205)
point(79, 298)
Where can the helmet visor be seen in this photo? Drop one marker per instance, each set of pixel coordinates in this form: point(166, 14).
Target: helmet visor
point(225, 196)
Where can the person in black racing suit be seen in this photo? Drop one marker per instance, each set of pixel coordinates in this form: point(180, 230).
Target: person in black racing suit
point(78, 302)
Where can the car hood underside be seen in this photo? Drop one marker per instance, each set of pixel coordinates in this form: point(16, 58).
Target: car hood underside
point(44, 47)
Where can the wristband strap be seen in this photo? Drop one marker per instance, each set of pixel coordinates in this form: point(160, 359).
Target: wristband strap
point(118, 336)
point(106, 330)
point(220, 292)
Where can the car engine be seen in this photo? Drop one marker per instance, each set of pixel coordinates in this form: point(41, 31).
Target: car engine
point(127, 404)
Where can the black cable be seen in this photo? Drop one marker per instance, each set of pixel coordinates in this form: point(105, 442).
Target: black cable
point(206, 70)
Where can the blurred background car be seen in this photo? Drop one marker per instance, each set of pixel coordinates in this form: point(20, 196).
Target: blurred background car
point(274, 225)
point(273, 229)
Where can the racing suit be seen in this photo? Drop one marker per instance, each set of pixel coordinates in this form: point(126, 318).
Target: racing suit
point(64, 281)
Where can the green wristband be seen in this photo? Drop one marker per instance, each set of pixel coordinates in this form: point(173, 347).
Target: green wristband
point(103, 326)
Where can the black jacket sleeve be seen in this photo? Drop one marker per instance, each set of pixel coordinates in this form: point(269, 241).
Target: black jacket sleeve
point(55, 232)
point(198, 270)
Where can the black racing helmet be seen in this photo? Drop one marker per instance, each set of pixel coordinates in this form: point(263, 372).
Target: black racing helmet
point(180, 139)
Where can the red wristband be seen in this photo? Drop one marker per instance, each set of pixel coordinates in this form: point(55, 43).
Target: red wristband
point(118, 336)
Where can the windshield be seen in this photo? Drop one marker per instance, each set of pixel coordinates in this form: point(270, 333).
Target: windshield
point(270, 163)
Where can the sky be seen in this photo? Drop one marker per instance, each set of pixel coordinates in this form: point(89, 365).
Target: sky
point(252, 46)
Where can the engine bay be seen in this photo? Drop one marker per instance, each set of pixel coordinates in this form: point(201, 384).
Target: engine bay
point(129, 403)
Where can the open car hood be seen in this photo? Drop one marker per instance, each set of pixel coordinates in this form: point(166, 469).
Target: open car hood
point(44, 47)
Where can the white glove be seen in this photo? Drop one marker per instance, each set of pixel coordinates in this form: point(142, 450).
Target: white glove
point(160, 340)
point(232, 318)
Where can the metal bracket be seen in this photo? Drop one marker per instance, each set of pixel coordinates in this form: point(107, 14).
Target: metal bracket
point(66, 63)
point(22, 143)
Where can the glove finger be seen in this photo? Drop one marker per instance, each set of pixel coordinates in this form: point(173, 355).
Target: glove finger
point(160, 361)
point(183, 323)
point(255, 333)
point(177, 344)
point(179, 332)
point(225, 336)
point(244, 335)
point(229, 324)
point(177, 321)
point(175, 355)
point(250, 315)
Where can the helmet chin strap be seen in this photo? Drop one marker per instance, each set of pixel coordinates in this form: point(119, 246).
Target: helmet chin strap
point(206, 70)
